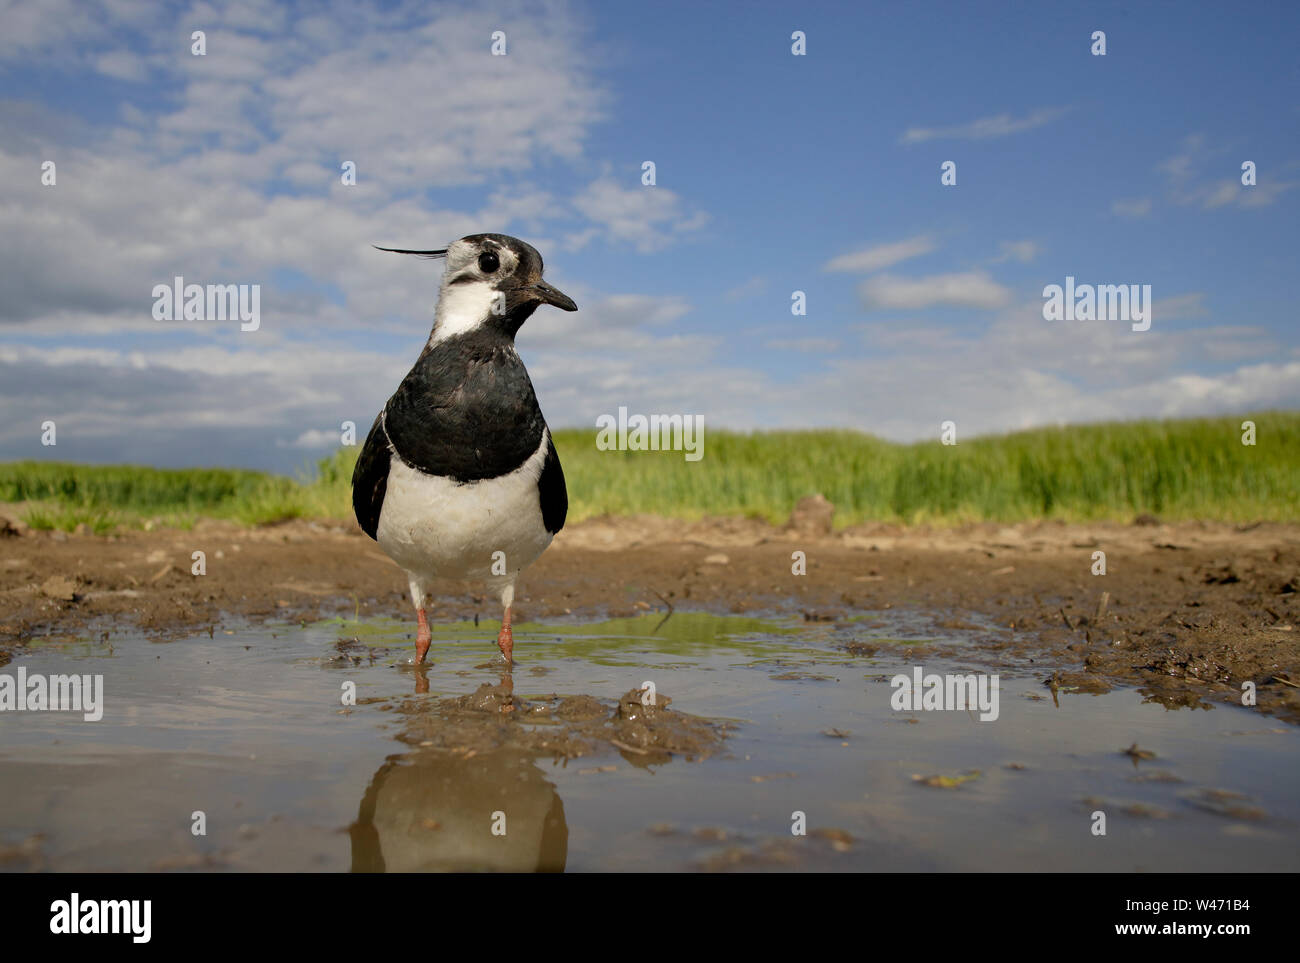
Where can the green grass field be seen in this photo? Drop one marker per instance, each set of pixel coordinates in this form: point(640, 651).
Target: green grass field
point(1184, 469)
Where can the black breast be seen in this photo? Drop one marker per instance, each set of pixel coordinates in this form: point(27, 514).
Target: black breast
point(467, 410)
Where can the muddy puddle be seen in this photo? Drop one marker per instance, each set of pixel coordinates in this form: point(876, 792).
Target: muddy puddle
point(566, 764)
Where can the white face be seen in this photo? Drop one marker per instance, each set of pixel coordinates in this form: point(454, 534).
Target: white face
point(463, 260)
point(469, 294)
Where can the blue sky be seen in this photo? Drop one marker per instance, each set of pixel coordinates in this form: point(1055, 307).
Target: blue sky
point(775, 173)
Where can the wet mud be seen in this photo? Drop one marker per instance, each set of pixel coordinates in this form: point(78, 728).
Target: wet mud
point(640, 726)
point(1190, 612)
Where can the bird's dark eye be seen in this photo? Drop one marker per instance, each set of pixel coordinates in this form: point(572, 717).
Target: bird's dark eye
point(488, 262)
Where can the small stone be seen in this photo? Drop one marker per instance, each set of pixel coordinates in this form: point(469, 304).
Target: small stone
point(59, 587)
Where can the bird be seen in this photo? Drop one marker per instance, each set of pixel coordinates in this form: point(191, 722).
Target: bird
point(458, 477)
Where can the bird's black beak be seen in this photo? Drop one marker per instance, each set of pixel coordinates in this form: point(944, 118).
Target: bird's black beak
point(549, 295)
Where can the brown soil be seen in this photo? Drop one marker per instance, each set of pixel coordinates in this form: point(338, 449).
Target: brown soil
point(1192, 611)
point(572, 727)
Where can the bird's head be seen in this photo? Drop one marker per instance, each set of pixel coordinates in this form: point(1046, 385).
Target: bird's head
point(491, 280)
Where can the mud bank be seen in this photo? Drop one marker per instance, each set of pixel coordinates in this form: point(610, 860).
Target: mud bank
point(1189, 612)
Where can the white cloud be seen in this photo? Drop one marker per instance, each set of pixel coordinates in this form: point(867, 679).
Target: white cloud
point(1184, 174)
point(314, 439)
point(997, 126)
point(412, 98)
point(1225, 192)
point(881, 256)
point(973, 289)
point(806, 345)
point(1137, 207)
point(1232, 192)
point(1022, 251)
point(66, 27)
point(648, 218)
point(122, 65)
point(624, 310)
point(227, 404)
point(1022, 371)
point(602, 322)
point(746, 289)
point(1180, 165)
point(231, 400)
point(1179, 307)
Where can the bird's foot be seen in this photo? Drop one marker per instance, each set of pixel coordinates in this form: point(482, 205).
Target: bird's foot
point(506, 639)
point(422, 638)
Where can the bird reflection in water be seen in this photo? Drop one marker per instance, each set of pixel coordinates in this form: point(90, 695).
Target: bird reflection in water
point(436, 811)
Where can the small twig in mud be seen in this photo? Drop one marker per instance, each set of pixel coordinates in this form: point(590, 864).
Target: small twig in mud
point(1068, 624)
point(670, 610)
point(1101, 607)
point(626, 748)
point(1285, 681)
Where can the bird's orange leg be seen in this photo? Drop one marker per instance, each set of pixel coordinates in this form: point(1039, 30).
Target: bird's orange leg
point(505, 639)
point(422, 637)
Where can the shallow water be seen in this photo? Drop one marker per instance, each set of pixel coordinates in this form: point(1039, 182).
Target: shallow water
point(247, 727)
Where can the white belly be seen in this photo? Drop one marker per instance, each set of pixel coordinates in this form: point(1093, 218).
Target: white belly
point(437, 528)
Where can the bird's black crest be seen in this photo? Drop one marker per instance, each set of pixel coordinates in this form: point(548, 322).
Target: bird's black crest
point(398, 250)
